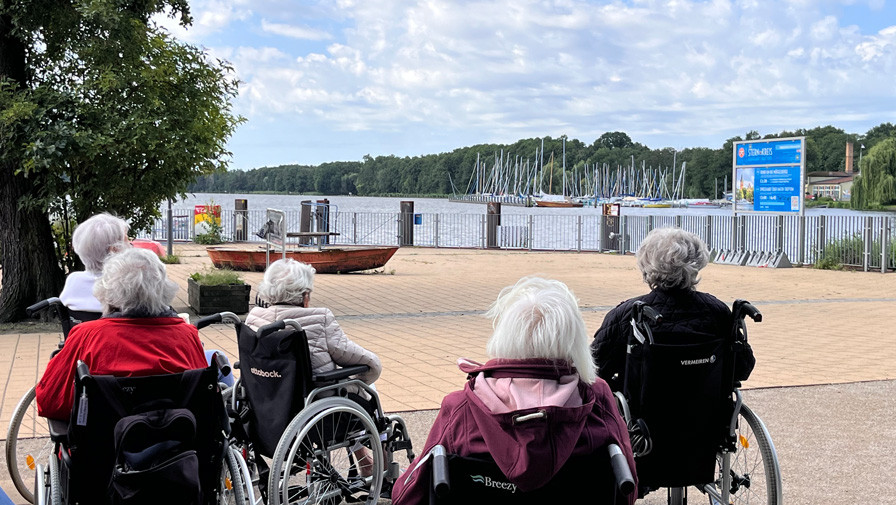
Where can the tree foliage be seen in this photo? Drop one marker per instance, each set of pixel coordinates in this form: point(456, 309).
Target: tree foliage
point(876, 186)
point(101, 110)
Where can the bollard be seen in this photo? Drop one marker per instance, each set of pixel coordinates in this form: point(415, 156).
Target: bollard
point(322, 219)
point(305, 221)
point(406, 224)
point(493, 221)
point(240, 220)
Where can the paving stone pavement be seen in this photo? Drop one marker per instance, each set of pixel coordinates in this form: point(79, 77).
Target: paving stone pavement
point(425, 309)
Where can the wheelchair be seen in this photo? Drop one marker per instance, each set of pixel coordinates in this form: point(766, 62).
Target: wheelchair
point(303, 436)
point(152, 439)
point(22, 454)
point(687, 420)
point(479, 481)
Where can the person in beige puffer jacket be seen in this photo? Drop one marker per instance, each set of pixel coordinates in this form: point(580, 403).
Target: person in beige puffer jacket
point(287, 287)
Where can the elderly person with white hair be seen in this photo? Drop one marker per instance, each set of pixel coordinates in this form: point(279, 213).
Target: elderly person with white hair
point(670, 260)
point(93, 240)
point(286, 288)
point(138, 335)
point(532, 407)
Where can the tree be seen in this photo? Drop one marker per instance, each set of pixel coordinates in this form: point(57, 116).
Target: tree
point(876, 185)
point(105, 112)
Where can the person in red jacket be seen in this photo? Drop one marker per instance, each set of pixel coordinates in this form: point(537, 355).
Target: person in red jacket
point(532, 407)
point(138, 335)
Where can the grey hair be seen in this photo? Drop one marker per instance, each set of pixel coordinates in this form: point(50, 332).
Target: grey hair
point(540, 318)
point(286, 281)
point(672, 258)
point(97, 237)
point(135, 283)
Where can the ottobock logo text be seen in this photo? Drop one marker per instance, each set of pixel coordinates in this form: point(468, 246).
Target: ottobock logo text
point(261, 373)
point(703, 361)
point(487, 481)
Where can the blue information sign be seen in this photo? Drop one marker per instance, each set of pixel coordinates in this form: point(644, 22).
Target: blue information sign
point(768, 175)
point(777, 189)
point(769, 152)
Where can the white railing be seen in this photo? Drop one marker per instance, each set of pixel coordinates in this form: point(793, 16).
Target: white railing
point(866, 241)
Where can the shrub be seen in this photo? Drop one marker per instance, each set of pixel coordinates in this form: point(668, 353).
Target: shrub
point(214, 277)
point(171, 259)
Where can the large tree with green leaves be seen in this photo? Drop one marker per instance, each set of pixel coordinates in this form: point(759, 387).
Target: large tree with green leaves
point(876, 184)
point(100, 110)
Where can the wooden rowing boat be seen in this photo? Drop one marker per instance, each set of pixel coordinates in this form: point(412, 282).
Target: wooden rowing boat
point(328, 260)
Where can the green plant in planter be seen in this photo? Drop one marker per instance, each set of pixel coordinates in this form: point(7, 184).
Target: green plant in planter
point(212, 291)
point(215, 277)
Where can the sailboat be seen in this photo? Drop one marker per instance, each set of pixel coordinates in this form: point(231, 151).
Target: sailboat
point(549, 200)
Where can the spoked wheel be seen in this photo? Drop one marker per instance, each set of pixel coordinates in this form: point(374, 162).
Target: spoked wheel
point(242, 451)
point(23, 454)
point(329, 453)
point(754, 476)
point(231, 484)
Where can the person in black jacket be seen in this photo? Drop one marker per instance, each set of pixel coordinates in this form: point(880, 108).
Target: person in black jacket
point(670, 260)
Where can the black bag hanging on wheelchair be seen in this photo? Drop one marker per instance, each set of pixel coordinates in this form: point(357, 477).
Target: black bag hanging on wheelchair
point(682, 393)
point(156, 459)
point(270, 372)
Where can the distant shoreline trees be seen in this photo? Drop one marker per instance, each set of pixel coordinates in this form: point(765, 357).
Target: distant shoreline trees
point(449, 173)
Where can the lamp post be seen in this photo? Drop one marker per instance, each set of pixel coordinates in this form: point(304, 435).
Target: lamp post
point(861, 148)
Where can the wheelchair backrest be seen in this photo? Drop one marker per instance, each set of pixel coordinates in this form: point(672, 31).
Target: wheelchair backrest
point(680, 387)
point(275, 371)
point(478, 480)
point(102, 401)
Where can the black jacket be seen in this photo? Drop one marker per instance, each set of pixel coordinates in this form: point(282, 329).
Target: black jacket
point(687, 313)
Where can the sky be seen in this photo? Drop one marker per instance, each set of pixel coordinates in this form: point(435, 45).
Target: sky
point(337, 80)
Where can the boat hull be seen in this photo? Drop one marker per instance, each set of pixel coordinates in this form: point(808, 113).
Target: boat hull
point(330, 260)
point(557, 203)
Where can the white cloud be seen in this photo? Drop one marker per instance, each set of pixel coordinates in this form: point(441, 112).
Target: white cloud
point(519, 68)
point(295, 32)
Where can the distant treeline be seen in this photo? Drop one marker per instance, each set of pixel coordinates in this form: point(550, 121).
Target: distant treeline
point(449, 173)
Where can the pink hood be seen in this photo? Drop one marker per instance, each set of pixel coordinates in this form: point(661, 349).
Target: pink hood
point(530, 413)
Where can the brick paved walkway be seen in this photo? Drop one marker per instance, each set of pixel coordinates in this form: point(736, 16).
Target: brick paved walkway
point(424, 310)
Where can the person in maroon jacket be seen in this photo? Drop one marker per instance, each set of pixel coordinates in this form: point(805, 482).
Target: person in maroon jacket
point(138, 335)
point(541, 365)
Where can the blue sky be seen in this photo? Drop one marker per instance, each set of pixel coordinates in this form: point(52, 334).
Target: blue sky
point(337, 80)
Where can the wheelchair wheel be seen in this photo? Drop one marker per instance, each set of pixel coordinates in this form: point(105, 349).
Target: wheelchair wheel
point(232, 485)
point(754, 476)
point(317, 459)
point(23, 454)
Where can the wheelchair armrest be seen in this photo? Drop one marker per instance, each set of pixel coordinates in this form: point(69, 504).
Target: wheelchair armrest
point(339, 373)
point(58, 430)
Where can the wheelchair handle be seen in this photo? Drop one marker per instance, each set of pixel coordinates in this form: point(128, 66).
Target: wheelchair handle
point(41, 305)
point(82, 371)
point(621, 472)
point(221, 364)
point(221, 317)
point(641, 310)
point(744, 308)
point(277, 326)
point(440, 482)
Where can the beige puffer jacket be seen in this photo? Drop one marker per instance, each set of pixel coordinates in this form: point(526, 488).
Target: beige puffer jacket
point(327, 342)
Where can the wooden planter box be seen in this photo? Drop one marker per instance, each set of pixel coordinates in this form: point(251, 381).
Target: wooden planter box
point(213, 299)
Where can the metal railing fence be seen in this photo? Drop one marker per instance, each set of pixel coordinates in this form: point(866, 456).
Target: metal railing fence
point(865, 241)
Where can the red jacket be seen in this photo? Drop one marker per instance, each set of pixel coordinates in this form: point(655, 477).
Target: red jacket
point(528, 455)
point(125, 347)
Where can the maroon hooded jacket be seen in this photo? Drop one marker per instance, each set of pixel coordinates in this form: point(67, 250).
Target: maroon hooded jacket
point(528, 454)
